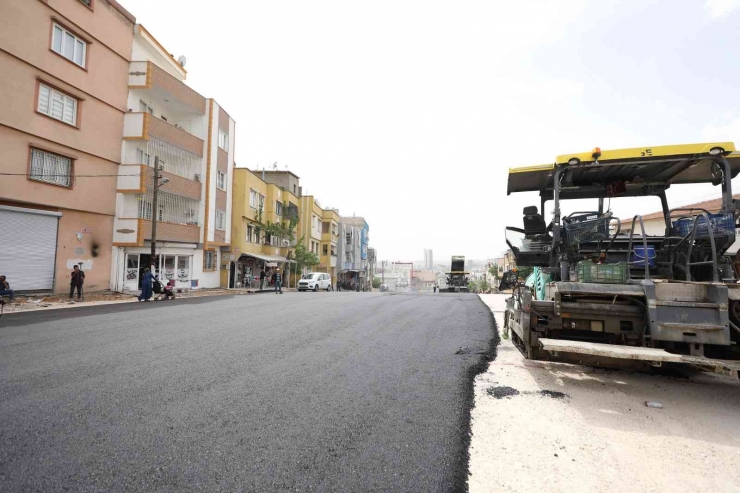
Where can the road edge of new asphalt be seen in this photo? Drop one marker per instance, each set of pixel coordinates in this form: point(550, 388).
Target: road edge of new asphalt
point(489, 355)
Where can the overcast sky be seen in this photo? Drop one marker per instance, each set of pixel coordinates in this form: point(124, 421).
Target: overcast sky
point(410, 113)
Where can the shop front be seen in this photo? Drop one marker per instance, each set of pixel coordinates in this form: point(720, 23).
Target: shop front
point(249, 266)
point(176, 264)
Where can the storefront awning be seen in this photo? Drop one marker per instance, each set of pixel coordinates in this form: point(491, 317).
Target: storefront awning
point(266, 258)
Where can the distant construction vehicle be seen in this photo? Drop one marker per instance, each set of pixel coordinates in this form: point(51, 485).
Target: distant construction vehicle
point(457, 278)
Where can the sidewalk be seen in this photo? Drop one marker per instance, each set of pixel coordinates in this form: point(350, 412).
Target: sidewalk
point(557, 427)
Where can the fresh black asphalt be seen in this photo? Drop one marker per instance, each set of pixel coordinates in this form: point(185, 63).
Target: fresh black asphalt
point(299, 392)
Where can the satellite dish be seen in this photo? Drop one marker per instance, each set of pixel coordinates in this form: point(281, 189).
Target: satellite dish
point(182, 60)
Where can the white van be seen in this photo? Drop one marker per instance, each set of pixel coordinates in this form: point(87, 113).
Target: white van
point(315, 281)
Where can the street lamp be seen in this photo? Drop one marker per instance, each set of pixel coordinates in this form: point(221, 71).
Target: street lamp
point(158, 182)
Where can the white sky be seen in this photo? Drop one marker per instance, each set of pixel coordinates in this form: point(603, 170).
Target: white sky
point(410, 112)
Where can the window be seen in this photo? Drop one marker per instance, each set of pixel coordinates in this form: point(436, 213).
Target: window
point(253, 199)
point(349, 238)
point(51, 168)
point(268, 238)
point(223, 140)
point(256, 235)
point(221, 180)
point(220, 219)
point(69, 46)
point(250, 230)
point(262, 202)
point(57, 105)
point(209, 260)
point(87, 2)
point(279, 208)
point(142, 157)
point(145, 108)
point(326, 249)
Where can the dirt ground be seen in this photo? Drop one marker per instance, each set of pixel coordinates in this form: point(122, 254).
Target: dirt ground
point(600, 436)
point(56, 301)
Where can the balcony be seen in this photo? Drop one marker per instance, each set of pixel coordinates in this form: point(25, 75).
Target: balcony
point(143, 126)
point(181, 233)
point(160, 85)
point(329, 238)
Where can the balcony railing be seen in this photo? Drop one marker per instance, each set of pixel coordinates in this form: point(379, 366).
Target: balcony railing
point(172, 208)
point(143, 126)
point(148, 76)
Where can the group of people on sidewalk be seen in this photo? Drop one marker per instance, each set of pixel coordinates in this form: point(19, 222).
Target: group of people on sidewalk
point(276, 278)
point(77, 279)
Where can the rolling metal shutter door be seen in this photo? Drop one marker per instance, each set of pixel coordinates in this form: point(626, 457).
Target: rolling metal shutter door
point(28, 245)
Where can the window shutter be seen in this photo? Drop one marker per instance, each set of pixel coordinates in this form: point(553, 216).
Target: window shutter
point(57, 105)
point(44, 95)
point(69, 110)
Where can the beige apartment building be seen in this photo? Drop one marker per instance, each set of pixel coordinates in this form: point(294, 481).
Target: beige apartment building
point(63, 95)
point(192, 140)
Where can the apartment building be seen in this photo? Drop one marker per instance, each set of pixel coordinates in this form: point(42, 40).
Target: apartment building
point(310, 223)
point(329, 244)
point(63, 95)
point(353, 252)
point(257, 204)
point(191, 139)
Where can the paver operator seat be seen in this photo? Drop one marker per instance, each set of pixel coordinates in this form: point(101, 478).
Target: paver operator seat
point(535, 246)
point(534, 224)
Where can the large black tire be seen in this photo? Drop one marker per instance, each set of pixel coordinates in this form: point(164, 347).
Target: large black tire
point(316, 288)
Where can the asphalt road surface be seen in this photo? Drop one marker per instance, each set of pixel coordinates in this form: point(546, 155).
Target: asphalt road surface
point(299, 392)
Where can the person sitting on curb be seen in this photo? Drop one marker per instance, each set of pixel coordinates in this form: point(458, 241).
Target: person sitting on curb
point(5, 289)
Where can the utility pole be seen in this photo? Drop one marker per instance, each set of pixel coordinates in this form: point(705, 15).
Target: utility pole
point(155, 211)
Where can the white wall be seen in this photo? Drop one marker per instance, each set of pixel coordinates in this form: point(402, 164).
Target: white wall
point(144, 49)
point(128, 177)
point(133, 124)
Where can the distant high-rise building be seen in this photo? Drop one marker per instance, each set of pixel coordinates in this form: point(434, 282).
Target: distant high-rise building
point(428, 259)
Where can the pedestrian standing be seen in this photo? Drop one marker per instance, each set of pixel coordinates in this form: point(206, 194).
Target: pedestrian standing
point(262, 278)
point(5, 288)
point(77, 279)
point(278, 280)
point(146, 285)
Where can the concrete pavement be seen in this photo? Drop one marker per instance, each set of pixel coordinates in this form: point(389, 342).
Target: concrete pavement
point(300, 392)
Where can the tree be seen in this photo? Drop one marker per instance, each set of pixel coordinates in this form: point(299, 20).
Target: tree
point(376, 282)
point(303, 257)
point(493, 270)
point(523, 271)
point(472, 287)
point(483, 286)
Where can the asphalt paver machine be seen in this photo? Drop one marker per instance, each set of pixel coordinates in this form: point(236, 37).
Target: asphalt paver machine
point(603, 292)
point(457, 278)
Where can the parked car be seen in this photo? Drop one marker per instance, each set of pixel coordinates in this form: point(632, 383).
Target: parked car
point(314, 281)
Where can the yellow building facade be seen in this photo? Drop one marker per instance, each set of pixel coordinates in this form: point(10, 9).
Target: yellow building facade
point(256, 205)
point(329, 238)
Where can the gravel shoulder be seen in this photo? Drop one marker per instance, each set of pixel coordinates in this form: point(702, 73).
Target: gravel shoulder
point(600, 436)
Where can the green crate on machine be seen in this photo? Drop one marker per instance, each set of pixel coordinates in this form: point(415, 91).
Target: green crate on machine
point(606, 273)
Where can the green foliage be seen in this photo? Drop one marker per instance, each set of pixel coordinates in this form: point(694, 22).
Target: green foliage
point(258, 219)
point(524, 272)
point(483, 286)
point(472, 287)
point(376, 282)
point(303, 257)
